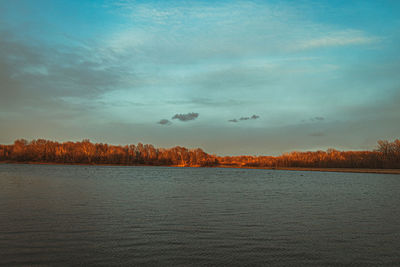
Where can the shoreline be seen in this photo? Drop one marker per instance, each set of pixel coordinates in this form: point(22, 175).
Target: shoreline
point(348, 170)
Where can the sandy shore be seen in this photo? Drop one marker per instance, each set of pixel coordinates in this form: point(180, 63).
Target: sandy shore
point(383, 171)
point(356, 170)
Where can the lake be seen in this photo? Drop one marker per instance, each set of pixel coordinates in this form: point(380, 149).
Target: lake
point(117, 215)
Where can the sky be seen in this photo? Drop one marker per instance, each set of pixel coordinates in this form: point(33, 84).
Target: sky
point(231, 77)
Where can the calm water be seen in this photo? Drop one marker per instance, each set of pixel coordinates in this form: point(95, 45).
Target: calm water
point(102, 215)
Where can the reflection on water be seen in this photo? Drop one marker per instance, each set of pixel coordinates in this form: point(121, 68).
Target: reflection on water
point(102, 215)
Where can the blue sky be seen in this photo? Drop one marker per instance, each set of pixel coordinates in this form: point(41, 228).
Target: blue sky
point(316, 74)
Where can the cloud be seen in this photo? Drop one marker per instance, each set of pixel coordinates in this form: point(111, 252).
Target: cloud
point(208, 102)
point(186, 117)
point(164, 122)
point(313, 119)
point(341, 38)
point(317, 119)
point(33, 73)
point(254, 117)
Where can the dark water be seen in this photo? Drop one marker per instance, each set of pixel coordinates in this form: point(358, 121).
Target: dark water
point(86, 215)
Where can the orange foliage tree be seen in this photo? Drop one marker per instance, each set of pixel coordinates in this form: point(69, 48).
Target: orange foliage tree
point(387, 155)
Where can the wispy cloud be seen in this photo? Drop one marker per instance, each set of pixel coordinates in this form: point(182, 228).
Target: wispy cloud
point(341, 38)
point(186, 117)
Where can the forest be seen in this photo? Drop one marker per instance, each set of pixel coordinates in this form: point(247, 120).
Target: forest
point(385, 156)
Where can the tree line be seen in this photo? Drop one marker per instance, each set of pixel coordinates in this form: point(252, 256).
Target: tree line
point(386, 155)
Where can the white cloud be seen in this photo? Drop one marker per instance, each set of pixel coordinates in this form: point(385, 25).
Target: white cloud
point(192, 32)
point(340, 38)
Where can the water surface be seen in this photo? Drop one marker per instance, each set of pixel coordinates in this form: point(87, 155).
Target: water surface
point(112, 215)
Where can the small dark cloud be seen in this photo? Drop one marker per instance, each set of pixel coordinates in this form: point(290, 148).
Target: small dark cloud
point(254, 117)
point(317, 119)
point(314, 119)
point(164, 122)
point(186, 117)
